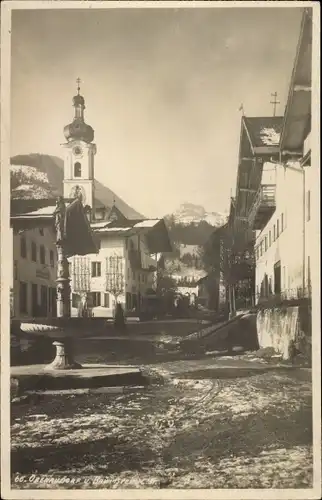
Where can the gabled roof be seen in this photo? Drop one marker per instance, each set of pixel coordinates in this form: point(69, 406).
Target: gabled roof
point(154, 229)
point(116, 217)
point(263, 132)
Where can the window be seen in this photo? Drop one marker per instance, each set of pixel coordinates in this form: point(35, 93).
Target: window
point(265, 243)
point(15, 270)
point(42, 255)
point(33, 251)
point(270, 238)
point(282, 223)
point(96, 269)
point(75, 300)
point(23, 298)
point(96, 299)
point(278, 229)
point(308, 206)
point(77, 169)
point(128, 300)
point(274, 233)
point(106, 300)
point(52, 258)
point(43, 301)
point(261, 248)
point(23, 247)
point(41, 231)
point(133, 275)
point(277, 277)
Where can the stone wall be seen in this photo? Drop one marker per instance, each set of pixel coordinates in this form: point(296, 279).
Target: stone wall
point(284, 328)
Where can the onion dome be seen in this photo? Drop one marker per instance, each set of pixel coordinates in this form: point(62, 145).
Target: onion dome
point(78, 129)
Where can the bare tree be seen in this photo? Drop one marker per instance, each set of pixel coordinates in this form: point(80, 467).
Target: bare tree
point(114, 277)
point(81, 282)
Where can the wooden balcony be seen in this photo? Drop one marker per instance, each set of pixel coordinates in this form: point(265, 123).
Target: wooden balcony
point(263, 206)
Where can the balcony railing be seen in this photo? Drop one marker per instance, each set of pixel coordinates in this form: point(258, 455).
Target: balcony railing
point(263, 206)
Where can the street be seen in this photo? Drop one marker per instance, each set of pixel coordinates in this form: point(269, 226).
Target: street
point(225, 422)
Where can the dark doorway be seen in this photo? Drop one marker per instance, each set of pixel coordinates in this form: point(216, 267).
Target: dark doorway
point(34, 300)
point(53, 300)
point(43, 301)
point(266, 285)
point(277, 278)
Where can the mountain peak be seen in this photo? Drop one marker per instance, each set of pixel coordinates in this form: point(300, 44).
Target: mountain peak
point(189, 213)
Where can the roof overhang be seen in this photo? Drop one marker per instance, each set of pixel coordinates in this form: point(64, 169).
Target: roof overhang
point(79, 237)
point(155, 231)
point(297, 120)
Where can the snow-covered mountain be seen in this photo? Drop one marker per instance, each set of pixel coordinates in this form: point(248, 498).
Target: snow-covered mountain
point(40, 176)
point(189, 213)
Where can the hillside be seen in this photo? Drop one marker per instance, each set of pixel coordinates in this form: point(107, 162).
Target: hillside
point(41, 176)
point(189, 228)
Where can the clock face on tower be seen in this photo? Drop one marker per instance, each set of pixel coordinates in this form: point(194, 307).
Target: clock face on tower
point(78, 192)
point(77, 151)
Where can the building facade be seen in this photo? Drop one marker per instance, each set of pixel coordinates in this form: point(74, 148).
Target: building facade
point(280, 243)
point(34, 273)
point(281, 212)
point(124, 269)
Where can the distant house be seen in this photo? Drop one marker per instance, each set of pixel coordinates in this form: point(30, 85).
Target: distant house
point(281, 208)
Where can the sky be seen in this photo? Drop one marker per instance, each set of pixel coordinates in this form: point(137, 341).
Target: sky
point(162, 87)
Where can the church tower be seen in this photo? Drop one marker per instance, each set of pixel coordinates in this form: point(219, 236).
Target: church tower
point(79, 156)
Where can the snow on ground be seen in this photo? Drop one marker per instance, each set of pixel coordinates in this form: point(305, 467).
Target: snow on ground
point(192, 431)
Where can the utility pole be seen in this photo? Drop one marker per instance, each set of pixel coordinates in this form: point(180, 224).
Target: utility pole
point(274, 102)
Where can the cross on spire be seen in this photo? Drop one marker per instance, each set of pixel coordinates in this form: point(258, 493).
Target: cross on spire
point(274, 102)
point(78, 81)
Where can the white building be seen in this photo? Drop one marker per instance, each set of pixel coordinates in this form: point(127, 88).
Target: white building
point(34, 273)
point(124, 268)
point(281, 211)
